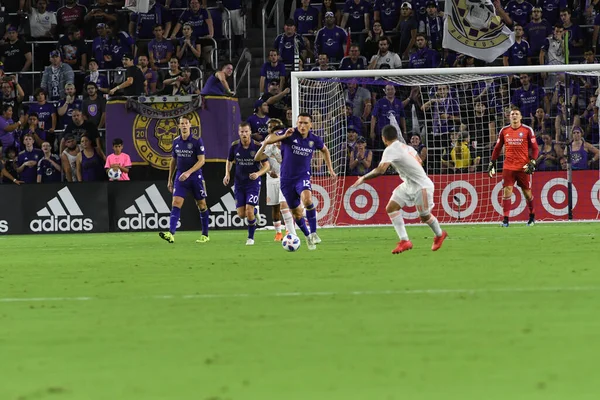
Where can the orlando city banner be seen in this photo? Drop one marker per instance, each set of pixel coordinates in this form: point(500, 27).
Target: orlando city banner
point(148, 129)
point(472, 27)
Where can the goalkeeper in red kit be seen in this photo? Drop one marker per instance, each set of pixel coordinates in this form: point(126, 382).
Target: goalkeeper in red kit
point(521, 151)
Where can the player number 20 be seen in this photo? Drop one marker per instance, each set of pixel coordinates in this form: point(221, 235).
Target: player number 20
point(253, 199)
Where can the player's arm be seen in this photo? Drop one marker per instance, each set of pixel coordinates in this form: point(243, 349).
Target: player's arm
point(261, 151)
point(534, 152)
point(495, 155)
point(172, 168)
point(278, 138)
point(327, 156)
point(265, 166)
point(199, 163)
point(228, 165)
point(380, 170)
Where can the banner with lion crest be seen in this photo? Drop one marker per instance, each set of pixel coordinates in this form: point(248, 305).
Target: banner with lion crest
point(148, 130)
point(472, 27)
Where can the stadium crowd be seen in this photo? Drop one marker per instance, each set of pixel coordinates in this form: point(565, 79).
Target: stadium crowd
point(61, 61)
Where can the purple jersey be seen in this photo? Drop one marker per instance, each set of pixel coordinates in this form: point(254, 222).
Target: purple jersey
point(575, 35)
point(389, 13)
point(271, 72)
point(434, 29)
point(517, 53)
point(424, 58)
point(197, 21)
point(551, 10)
point(46, 170)
point(186, 153)
point(159, 50)
point(44, 113)
point(145, 22)
point(68, 116)
point(92, 168)
point(385, 110)
point(285, 45)
point(536, 33)
point(29, 174)
point(297, 153)
point(100, 80)
point(529, 100)
point(258, 124)
point(331, 42)
point(419, 8)
point(306, 20)
point(244, 163)
point(579, 158)
point(348, 64)
point(519, 12)
point(356, 17)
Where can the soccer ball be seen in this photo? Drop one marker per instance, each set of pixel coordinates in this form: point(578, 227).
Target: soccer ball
point(290, 242)
point(114, 175)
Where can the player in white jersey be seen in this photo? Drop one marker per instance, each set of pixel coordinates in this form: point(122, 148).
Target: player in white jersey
point(416, 188)
point(275, 198)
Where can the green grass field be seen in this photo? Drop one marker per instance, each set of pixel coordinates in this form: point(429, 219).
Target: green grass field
point(495, 314)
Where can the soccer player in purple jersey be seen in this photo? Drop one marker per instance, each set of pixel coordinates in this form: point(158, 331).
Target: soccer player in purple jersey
point(297, 148)
point(247, 182)
point(186, 165)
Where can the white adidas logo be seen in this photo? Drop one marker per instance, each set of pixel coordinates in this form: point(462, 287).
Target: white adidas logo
point(145, 212)
point(3, 226)
point(224, 214)
point(58, 215)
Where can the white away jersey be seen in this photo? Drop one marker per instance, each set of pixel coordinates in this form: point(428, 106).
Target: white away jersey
point(407, 163)
point(274, 154)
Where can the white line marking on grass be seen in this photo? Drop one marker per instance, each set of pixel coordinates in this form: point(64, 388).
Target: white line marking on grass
point(408, 292)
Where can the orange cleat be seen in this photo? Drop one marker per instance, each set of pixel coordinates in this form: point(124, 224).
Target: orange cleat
point(438, 240)
point(403, 245)
point(278, 237)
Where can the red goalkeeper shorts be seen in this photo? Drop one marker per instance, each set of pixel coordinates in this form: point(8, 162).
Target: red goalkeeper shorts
point(520, 177)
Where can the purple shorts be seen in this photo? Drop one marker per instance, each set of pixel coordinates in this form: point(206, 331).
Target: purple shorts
point(293, 189)
point(194, 184)
point(247, 194)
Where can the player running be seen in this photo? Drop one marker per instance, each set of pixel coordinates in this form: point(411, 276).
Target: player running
point(186, 164)
point(247, 180)
point(519, 162)
point(297, 148)
point(416, 188)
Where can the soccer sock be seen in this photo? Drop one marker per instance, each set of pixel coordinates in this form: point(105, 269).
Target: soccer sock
point(398, 222)
point(506, 207)
point(302, 225)
point(277, 226)
point(204, 220)
point(434, 225)
point(251, 228)
point(311, 215)
point(530, 205)
point(288, 220)
point(175, 213)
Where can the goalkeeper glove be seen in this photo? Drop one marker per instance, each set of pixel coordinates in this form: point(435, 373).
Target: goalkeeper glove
point(529, 167)
point(492, 168)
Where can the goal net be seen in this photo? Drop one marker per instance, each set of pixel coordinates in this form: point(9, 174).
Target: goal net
point(452, 118)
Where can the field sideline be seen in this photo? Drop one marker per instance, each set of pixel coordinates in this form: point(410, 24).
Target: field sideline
point(495, 314)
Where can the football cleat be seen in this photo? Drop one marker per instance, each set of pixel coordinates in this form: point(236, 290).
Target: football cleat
point(203, 239)
point(168, 236)
point(316, 239)
point(310, 244)
point(278, 237)
point(504, 225)
point(438, 240)
point(403, 245)
point(250, 242)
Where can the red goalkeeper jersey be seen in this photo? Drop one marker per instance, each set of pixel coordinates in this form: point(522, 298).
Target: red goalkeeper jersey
point(517, 143)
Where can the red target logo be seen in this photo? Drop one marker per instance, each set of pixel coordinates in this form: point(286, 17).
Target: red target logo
point(554, 196)
point(459, 199)
point(361, 202)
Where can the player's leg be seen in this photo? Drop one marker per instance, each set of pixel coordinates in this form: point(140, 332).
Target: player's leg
point(311, 213)
point(524, 182)
point(292, 197)
point(175, 215)
point(397, 201)
point(508, 181)
point(274, 201)
point(424, 203)
point(252, 195)
point(199, 192)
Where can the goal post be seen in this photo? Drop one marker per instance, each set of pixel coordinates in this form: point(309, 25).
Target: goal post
point(456, 114)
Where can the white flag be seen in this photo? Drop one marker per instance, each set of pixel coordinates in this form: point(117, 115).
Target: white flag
point(472, 27)
point(394, 123)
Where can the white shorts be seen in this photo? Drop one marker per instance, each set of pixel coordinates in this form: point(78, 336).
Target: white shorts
point(237, 22)
point(274, 195)
point(422, 199)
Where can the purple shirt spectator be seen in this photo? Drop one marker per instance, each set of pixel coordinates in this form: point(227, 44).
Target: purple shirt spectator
point(356, 122)
point(517, 53)
point(159, 50)
point(519, 11)
point(356, 14)
point(384, 110)
point(196, 20)
point(433, 27)
point(389, 13)
point(551, 10)
point(46, 170)
point(271, 72)
point(306, 20)
point(285, 45)
point(44, 113)
point(67, 118)
point(145, 22)
point(528, 99)
point(7, 139)
point(419, 8)
point(536, 33)
point(424, 58)
point(100, 80)
point(258, 124)
point(29, 174)
point(331, 41)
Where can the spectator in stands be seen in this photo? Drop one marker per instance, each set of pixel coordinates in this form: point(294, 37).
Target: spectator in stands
point(385, 59)
point(518, 53)
point(385, 109)
point(100, 13)
point(593, 127)
point(356, 17)
point(101, 50)
point(289, 118)
point(407, 26)
point(536, 33)
point(259, 120)
point(42, 23)
point(73, 49)
point(279, 101)
point(348, 145)
point(12, 93)
point(45, 111)
point(519, 11)
point(134, 79)
point(424, 57)
point(8, 168)
point(596, 32)
point(150, 76)
point(8, 127)
point(66, 105)
point(575, 34)
point(360, 158)
point(360, 99)
point(481, 124)
point(187, 85)
point(583, 154)
point(79, 127)
point(94, 76)
point(323, 64)
point(188, 48)
point(550, 154)
point(119, 43)
point(551, 10)
point(371, 45)
point(141, 25)
point(432, 25)
point(352, 120)
point(118, 160)
point(286, 42)
point(553, 53)
point(329, 5)
point(56, 76)
point(201, 22)
point(529, 97)
point(94, 106)
point(274, 69)
point(217, 84)
point(541, 123)
point(306, 18)
point(388, 13)
point(16, 54)
point(160, 50)
point(237, 11)
point(71, 14)
point(420, 148)
point(171, 83)
point(354, 60)
point(27, 160)
point(561, 92)
point(331, 40)
point(68, 157)
point(48, 167)
point(461, 157)
point(90, 162)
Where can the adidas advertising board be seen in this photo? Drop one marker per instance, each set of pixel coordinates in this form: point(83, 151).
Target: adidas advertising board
point(223, 214)
point(149, 211)
point(3, 226)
